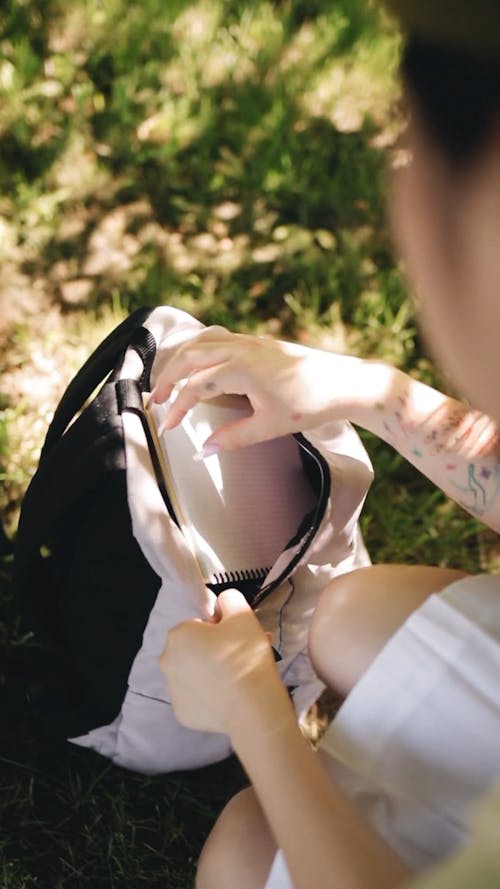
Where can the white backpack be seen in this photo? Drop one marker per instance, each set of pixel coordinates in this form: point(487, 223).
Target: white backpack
point(104, 570)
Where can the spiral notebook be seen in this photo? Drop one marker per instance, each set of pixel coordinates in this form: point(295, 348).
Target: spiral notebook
point(237, 509)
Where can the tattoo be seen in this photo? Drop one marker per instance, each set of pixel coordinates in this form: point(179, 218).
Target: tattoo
point(471, 439)
point(456, 431)
point(480, 495)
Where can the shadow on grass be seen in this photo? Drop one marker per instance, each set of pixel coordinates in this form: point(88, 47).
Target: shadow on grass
point(196, 162)
point(237, 255)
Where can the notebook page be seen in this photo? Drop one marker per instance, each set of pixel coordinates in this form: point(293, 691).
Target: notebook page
point(238, 509)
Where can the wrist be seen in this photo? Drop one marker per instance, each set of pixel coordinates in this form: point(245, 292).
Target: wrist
point(263, 708)
point(373, 387)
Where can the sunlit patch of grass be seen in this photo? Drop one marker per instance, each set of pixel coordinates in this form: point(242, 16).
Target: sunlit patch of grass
point(216, 104)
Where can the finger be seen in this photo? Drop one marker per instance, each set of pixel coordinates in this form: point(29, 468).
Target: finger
point(205, 350)
point(201, 386)
point(159, 394)
point(232, 602)
point(224, 379)
point(185, 401)
point(176, 638)
point(181, 367)
point(241, 433)
point(215, 332)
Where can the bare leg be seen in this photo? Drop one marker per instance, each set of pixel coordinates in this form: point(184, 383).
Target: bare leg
point(240, 849)
point(358, 613)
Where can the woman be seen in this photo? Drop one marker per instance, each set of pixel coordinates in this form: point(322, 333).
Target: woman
point(415, 650)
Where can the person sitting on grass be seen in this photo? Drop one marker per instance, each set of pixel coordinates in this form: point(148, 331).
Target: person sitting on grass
point(414, 650)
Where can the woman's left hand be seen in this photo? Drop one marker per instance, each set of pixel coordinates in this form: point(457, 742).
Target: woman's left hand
point(213, 668)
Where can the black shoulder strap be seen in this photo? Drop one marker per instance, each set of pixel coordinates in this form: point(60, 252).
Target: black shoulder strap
point(74, 459)
point(94, 371)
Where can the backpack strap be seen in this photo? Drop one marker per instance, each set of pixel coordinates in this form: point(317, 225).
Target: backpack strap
point(102, 361)
point(76, 457)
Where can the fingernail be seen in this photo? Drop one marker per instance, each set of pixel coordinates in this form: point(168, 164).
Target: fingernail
point(207, 451)
point(150, 399)
point(164, 425)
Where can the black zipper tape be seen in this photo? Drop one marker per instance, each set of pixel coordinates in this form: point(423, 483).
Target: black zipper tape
point(324, 493)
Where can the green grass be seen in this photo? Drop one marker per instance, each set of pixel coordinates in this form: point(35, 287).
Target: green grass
point(228, 158)
point(245, 129)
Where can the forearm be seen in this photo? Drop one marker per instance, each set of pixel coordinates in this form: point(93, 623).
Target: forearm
point(293, 388)
point(327, 844)
point(455, 446)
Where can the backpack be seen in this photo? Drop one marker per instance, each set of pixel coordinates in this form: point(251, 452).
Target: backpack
point(103, 571)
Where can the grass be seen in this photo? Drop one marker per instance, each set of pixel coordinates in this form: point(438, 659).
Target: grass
point(228, 158)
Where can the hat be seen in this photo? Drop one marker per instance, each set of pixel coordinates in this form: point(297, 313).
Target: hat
point(469, 25)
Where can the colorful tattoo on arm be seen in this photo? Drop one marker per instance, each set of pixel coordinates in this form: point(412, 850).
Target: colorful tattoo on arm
point(482, 488)
point(467, 443)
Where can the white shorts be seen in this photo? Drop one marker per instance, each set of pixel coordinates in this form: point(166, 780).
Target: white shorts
point(417, 740)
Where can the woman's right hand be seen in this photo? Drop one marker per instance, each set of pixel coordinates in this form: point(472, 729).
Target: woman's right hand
point(290, 387)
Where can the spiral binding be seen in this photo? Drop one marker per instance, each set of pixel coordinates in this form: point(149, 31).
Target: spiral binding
point(235, 576)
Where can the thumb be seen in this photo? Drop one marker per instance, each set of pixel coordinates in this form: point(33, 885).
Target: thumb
point(231, 602)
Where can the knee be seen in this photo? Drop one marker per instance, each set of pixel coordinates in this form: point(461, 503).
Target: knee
point(335, 630)
point(359, 612)
point(239, 851)
point(216, 862)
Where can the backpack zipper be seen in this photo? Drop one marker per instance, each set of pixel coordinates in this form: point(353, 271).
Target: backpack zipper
point(324, 493)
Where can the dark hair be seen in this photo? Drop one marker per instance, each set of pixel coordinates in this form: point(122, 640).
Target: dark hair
point(458, 96)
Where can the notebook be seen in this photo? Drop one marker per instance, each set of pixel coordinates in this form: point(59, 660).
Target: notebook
point(237, 509)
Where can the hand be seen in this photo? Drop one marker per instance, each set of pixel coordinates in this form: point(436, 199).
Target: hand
point(214, 669)
point(290, 387)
